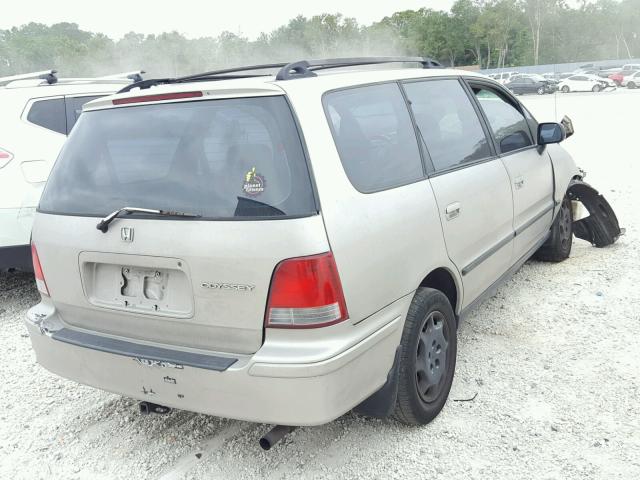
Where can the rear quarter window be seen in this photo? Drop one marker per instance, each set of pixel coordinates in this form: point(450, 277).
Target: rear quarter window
point(374, 136)
point(50, 114)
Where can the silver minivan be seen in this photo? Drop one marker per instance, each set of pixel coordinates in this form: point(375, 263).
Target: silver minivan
point(285, 248)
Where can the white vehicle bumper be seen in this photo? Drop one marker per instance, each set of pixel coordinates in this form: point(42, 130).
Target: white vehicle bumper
point(15, 236)
point(286, 382)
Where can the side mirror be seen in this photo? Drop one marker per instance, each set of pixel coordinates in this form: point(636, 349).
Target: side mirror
point(550, 133)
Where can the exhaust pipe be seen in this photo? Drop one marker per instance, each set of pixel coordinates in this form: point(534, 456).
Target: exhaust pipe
point(274, 435)
point(147, 407)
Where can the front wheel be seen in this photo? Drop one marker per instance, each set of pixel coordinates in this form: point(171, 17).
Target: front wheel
point(596, 88)
point(565, 89)
point(541, 91)
point(427, 358)
point(558, 246)
point(631, 85)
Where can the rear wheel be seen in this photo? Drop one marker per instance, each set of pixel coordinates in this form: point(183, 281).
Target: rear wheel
point(558, 247)
point(596, 88)
point(427, 358)
point(541, 91)
point(565, 89)
point(631, 85)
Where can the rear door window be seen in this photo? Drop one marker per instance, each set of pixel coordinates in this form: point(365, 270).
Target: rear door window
point(217, 158)
point(74, 108)
point(375, 137)
point(50, 114)
point(447, 122)
point(510, 127)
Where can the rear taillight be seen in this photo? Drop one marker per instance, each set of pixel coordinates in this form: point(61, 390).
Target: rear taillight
point(37, 270)
point(5, 157)
point(306, 293)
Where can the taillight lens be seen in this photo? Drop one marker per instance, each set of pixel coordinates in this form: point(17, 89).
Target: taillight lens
point(37, 270)
point(306, 293)
point(5, 157)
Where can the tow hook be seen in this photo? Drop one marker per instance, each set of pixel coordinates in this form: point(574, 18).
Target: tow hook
point(274, 435)
point(147, 407)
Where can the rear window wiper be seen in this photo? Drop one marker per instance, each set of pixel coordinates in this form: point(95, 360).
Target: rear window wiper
point(103, 225)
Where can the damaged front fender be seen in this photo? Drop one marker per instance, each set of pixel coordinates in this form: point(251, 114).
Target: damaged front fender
point(601, 227)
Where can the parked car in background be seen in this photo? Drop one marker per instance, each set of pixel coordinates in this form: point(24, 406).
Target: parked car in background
point(558, 77)
point(617, 77)
point(503, 77)
point(585, 83)
point(632, 80)
point(148, 289)
point(38, 112)
point(523, 84)
point(631, 66)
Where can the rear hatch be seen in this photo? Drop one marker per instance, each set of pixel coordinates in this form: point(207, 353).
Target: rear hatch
point(236, 166)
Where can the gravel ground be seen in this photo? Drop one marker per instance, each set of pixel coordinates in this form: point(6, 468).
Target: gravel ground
point(553, 361)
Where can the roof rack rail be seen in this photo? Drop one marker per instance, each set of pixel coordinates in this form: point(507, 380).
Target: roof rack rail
point(306, 68)
point(288, 71)
point(135, 75)
point(48, 75)
point(212, 75)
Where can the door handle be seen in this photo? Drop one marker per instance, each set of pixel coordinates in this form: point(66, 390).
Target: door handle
point(519, 182)
point(452, 210)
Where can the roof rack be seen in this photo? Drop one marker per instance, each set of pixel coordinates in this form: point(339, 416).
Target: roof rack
point(48, 75)
point(287, 71)
point(306, 68)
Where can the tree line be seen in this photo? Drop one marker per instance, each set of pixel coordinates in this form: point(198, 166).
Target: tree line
point(487, 33)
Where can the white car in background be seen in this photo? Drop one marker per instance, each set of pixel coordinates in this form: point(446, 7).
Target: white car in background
point(631, 66)
point(631, 81)
point(38, 112)
point(503, 77)
point(585, 83)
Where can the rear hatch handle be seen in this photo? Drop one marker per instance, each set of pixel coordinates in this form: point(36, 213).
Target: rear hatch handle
point(103, 225)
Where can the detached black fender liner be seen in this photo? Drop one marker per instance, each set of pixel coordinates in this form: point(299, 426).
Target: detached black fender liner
point(146, 354)
point(601, 227)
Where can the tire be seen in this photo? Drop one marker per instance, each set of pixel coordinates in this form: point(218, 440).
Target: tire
point(631, 85)
point(558, 247)
point(541, 91)
point(427, 358)
point(565, 89)
point(596, 88)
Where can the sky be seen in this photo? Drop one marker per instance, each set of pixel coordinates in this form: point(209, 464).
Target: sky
point(196, 18)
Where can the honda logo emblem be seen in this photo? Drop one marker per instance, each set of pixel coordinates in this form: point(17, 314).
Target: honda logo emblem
point(126, 234)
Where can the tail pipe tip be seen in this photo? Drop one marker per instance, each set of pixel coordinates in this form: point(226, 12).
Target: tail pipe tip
point(147, 407)
point(274, 435)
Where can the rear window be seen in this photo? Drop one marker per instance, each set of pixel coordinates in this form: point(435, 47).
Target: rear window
point(216, 158)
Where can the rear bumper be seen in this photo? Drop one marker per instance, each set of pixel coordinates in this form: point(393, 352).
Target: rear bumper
point(17, 256)
point(15, 226)
point(254, 387)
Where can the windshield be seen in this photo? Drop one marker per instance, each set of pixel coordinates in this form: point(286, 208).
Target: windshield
point(217, 159)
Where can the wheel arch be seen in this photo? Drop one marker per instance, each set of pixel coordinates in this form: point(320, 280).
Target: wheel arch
point(444, 280)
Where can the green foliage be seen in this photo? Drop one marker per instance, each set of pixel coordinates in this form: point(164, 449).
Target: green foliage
point(489, 33)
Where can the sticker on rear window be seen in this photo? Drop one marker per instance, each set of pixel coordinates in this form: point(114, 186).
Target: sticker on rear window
point(254, 183)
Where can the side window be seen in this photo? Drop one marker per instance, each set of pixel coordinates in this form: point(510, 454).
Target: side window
point(374, 136)
point(74, 108)
point(49, 114)
point(508, 124)
point(448, 123)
